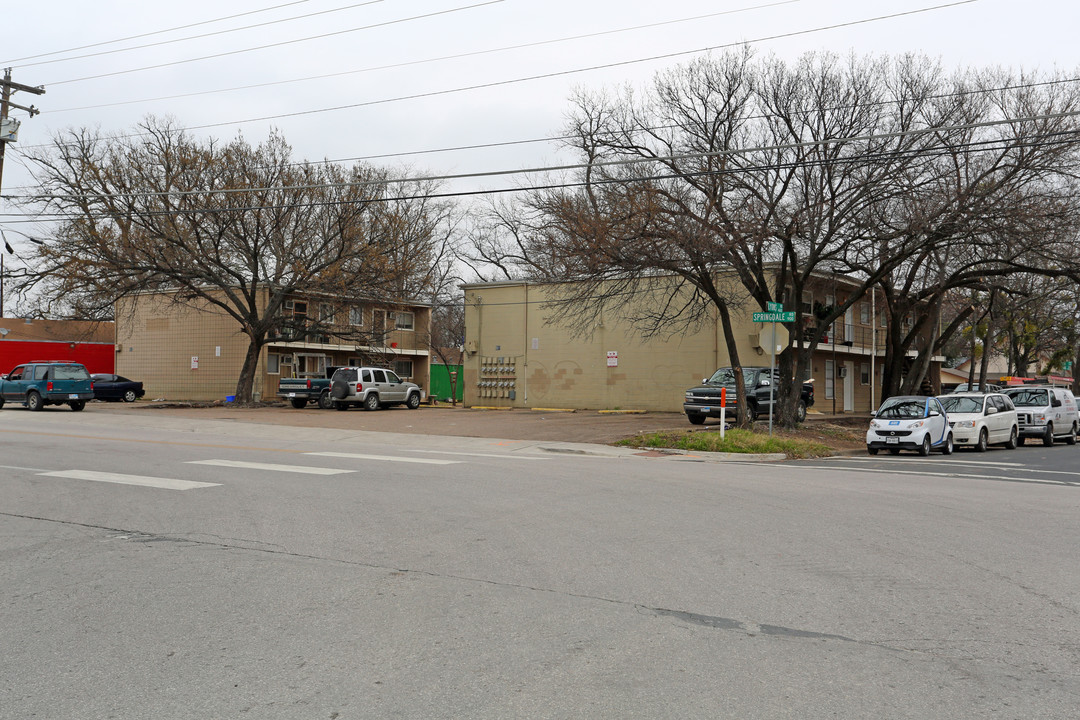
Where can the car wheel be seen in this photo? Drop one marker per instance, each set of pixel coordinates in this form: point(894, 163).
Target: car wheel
point(695, 418)
point(984, 441)
point(298, 403)
point(924, 449)
point(129, 396)
point(1048, 437)
point(1013, 437)
point(871, 450)
point(33, 401)
point(77, 405)
point(325, 401)
point(1, 402)
point(751, 412)
point(414, 401)
point(371, 402)
point(1070, 439)
point(340, 390)
point(341, 405)
point(948, 448)
point(800, 411)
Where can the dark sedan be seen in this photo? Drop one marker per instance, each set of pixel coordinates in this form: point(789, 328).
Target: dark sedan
point(116, 387)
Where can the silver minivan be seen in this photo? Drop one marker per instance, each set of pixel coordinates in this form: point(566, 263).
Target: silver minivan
point(1045, 412)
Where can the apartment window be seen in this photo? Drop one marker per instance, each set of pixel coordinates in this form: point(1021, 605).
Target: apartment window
point(864, 313)
point(864, 373)
point(403, 320)
point(326, 313)
point(300, 309)
point(884, 319)
point(273, 363)
point(356, 316)
point(403, 368)
point(830, 379)
point(807, 302)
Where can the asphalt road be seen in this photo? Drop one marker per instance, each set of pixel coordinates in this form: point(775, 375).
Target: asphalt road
point(178, 567)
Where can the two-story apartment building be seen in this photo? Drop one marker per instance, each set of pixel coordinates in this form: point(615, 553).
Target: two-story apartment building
point(194, 351)
point(516, 356)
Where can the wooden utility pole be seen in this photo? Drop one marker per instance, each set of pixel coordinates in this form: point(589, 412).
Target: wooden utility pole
point(9, 130)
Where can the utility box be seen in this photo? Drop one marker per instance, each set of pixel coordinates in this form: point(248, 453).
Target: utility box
point(9, 129)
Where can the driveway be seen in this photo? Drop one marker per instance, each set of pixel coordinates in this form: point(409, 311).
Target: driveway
point(518, 424)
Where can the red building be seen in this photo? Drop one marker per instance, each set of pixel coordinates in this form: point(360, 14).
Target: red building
point(91, 343)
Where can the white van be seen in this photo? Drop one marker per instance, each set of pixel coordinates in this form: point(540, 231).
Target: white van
point(1045, 412)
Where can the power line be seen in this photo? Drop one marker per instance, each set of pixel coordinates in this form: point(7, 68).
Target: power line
point(561, 73)
point(155, 32)
point(981, 146)
point(204, 35)
point(287, 42)
point(564, 72)
point(427, 60)
point(621, 163)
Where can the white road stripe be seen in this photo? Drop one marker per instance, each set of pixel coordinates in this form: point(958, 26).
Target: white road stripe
point(270, 467)
point(929, 473)
point(388, 458)
point(16, 467)
point(1027, 468)
point(490, 455)
point(164, 483)
point(913, 459)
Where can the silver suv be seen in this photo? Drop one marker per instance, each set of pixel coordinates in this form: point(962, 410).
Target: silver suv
point(1045, 412)
point(372, 388)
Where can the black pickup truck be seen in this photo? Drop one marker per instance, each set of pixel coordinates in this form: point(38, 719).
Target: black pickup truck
point(300, 391)
point(703, 401)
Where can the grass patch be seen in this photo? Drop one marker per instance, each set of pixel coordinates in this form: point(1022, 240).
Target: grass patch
point(735, 441)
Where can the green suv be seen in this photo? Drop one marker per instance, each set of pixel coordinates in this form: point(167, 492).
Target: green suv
point(37, 384)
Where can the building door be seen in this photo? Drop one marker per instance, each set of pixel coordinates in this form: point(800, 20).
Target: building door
point(849, 386)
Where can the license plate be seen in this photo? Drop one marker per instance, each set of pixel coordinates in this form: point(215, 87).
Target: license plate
point(292, 394)
point(706, 409)
point(892, 441)
point(73, 396)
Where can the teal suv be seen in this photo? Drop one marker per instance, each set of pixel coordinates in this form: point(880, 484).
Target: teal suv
point(37, 384)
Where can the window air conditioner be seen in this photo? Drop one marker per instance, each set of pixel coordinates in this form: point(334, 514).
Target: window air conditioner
point(286, 360)
point(841, 371)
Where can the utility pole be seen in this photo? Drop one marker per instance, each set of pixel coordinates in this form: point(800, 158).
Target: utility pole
point(9, 132)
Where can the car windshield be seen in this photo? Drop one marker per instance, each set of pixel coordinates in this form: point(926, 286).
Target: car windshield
point(70, 372)
point(902, 409)
point(960, 404)
point(1027, 397)
point(726, 376)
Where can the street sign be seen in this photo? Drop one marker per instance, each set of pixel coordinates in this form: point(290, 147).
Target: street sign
point(774, 307)
point(763, 317)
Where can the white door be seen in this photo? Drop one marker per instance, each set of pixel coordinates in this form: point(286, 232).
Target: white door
point(849, 386)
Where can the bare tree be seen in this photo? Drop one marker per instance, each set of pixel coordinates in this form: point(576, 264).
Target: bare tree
point(234, 226)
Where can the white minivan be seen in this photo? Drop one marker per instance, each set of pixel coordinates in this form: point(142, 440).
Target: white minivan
point(1045, 412)
point(979, 420)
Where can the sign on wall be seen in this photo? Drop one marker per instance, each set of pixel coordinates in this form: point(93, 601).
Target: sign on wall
point(612, 358)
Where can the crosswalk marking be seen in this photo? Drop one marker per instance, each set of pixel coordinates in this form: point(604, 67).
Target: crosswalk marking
point(489, 455)
point(239, 464)
point(388, 458)
point(164, 483)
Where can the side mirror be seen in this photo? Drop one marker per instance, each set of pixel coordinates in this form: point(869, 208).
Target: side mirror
point(764, 383)
point(704, 381)
point(873, 413)
point(991, 410)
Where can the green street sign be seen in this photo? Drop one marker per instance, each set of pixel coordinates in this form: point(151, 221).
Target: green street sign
point(774, 307)
point(763, 317)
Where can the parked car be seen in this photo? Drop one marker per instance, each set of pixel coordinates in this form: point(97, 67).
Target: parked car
point(963, 387)
point(40, 383)
point(703, 401)
point(114, 388)
point(982, 419)
point(301, 391)
point(910, 422)
point(372, 388)
point(1045, 412)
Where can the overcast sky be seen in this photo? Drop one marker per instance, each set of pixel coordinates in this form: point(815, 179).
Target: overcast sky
point(380, 53)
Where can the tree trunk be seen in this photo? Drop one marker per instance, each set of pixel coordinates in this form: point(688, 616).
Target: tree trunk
point(736, 366)
point(246, 382)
